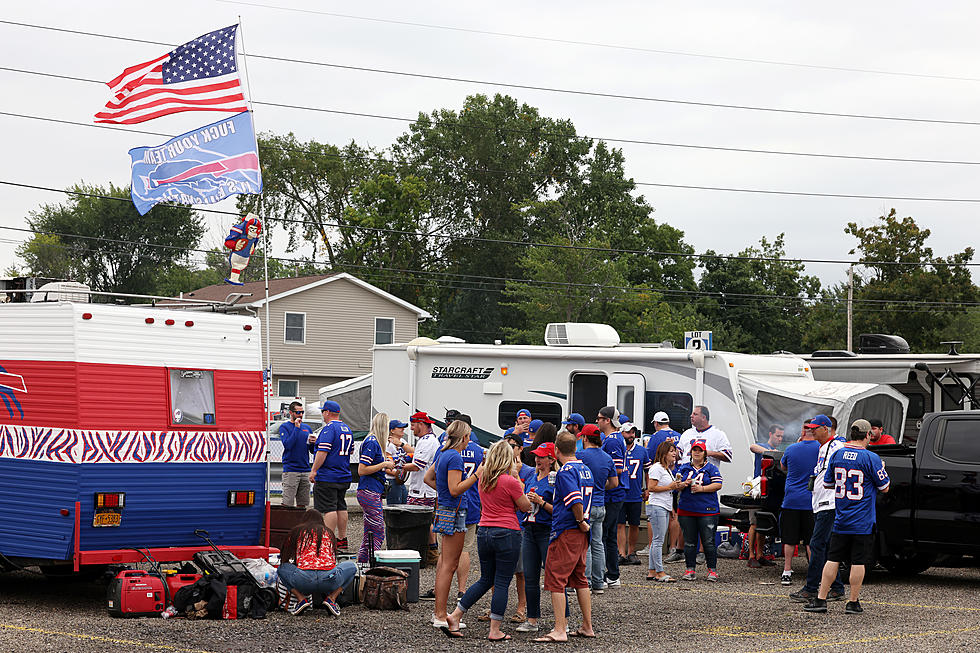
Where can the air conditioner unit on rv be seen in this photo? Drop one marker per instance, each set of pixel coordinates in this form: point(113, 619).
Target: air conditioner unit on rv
point(580, 334)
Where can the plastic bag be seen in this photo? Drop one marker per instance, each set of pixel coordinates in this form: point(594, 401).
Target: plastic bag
point(263, 572)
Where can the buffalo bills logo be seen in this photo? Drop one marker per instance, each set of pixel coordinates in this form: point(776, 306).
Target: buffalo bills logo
point(202, 173)
point(10, 383)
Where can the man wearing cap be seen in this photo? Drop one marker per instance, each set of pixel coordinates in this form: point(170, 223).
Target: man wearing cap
point(297, 444)
point(719, 448)
point(521, 422)
point(420, 494)
point(796, 512)
point(613, 444)
point(878, 435)
point(331, 475)
point(637, 466)
point(400, 452)
point(604, 477)
point(573, 424)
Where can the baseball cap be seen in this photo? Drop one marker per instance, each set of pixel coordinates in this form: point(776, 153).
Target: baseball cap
point(819, 420)
point(590, 429)
point(545, 449)
point(627, 426)
point(875, 422)
point(395, 424)
point(699, 444)
point(330, 407)
point(661, 418)
point(862, 425)
point(575, 418)
point(512, 437)
point(623, 418)
point(525, 411)
point(534, 425)
point(611, 413)
point(421, 416)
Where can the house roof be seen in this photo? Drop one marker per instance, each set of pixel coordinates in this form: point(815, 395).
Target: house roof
point(279, 288)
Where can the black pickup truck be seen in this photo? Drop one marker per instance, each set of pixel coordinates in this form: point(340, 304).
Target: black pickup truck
point(932, 507)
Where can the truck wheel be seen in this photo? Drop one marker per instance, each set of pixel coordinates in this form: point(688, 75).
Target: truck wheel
point(908, 564)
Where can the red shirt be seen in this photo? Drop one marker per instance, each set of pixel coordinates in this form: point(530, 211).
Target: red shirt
point(498, 507)
point(306, 557)
point(885, 439)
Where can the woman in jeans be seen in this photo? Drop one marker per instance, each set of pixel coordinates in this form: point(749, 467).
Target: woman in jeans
point(698, 509)
point(371, 484)
point(310, 563)
point(498, 541)
point(536, 530)
point(659, 506)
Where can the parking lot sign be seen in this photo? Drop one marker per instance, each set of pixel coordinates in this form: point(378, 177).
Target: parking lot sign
point(700, 340)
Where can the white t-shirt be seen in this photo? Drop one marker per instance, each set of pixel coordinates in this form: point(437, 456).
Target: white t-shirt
point(663, 477)
point(715, 439)
point(425, 453)
point(823, 498)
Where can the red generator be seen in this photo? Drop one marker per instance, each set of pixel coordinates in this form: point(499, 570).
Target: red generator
point(135, 593)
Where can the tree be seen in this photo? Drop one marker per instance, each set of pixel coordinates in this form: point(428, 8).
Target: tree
point(97, 237)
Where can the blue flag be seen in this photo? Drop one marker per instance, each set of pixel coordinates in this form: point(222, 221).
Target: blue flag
point(203, 166)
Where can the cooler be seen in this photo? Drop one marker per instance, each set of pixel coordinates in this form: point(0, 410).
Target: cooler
point(408, 560)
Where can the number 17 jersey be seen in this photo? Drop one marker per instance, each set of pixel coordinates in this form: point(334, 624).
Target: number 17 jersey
point(336, 440)
point(856, 475)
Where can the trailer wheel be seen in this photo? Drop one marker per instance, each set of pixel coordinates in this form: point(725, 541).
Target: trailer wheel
point(908, 564)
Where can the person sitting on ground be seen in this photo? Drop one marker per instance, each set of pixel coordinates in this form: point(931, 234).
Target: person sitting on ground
point(309, 565)
point(878, 435)
point(698, 509)
point(659, 507)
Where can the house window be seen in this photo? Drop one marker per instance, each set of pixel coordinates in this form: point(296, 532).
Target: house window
point(384, 330)
point(295, 328)
point(288, 388)
point(192, 397)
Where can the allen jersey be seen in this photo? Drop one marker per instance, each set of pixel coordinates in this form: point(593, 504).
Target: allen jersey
point(856, 475)
point(573, 484)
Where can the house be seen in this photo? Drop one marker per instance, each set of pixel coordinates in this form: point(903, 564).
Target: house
point(323, 326)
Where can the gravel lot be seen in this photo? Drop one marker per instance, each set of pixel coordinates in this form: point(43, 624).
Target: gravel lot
point(747, 612)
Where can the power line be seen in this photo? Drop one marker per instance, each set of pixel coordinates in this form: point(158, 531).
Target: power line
point(602, 250)
point(533, 87)
point(608, 46)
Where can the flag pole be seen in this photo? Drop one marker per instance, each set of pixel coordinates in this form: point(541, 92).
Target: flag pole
point(265, 264)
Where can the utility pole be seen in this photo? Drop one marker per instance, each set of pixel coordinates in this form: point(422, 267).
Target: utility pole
point(850, 308)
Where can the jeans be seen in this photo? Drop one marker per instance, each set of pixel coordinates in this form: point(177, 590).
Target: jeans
point(610, 528)
point(397, 493)
point(659, 519)
point(308, 581)
point(595, 559)
point(499, 549)
point(535, 540)
point(823, 522)
point(705, 526)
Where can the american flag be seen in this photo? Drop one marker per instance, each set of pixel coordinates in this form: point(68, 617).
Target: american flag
point(201, 75)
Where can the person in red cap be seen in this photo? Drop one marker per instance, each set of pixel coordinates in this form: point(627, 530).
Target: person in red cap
point(420, 494)
point(604, 477)
point(536, 529)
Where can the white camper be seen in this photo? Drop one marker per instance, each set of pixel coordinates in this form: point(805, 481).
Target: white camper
point(584, 367)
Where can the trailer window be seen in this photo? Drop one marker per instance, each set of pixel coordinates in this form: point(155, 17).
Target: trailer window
point(959, 442)
point(192, 397)
point(677, 405)
point(917, 405)
point(589, 393)
point(544, 411)
point(790, 413)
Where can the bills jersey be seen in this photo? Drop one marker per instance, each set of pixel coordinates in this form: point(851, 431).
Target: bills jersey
point(336, 440)
point(637, 466)
point(614, 445)
point(472, 457)
point(572, 485)
point(856, 475)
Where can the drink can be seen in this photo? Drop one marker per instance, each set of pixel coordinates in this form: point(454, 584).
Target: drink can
point(552, 478)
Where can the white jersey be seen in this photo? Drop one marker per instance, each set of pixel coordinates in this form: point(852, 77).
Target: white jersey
point(425, 453)
point(715, 439)
point(823, 498)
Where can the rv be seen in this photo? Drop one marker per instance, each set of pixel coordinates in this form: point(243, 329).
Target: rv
point(583, 367)
point(124, 427)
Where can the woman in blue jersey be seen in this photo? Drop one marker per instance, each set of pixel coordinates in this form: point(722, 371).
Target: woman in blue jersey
point(698, 508)
point(536, 529)
point(371, 484)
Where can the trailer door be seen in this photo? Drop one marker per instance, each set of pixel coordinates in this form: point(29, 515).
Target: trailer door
point(589, 391)
point(627, 392)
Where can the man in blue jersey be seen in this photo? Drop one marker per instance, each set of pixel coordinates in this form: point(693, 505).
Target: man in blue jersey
point(796, 512)
point(331, 472)
point(603, 476)
point(297, 445)
point(613, 444)
point(856, 475)
point(637, 466)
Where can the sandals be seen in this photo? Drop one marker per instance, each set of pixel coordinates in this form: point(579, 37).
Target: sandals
point(519, 617)
point(548, 639)
point(579, 633)
point(451, 634)
point(666, 578)
point(500, 639)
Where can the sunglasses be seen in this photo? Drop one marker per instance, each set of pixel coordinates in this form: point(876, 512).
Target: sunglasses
point(297, 412)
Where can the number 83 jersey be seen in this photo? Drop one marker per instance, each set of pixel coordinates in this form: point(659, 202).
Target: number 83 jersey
point(856, 475)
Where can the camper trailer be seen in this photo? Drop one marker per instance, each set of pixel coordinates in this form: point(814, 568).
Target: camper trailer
point(128, 427)
point(930, 382)
point(583, 367)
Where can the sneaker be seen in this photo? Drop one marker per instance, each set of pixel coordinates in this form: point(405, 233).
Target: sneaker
point(766, 562)
point(786, 578)
point(614, 583)
point(803, 596)
point(598, 590)
point(459, 595)
point(688, 575)
point(428, 596)
point(623, 560)
point(444, 624)
point(643, 552)
point(816, 605)
point(836, 596)
point(754, 563)
point(332, 606)
point(675, 556)
point(853, 607)
point(300, 607)
point(342, 545)
point(527, 627)
point(632, 559)
point(713, 576)
point(700, 559)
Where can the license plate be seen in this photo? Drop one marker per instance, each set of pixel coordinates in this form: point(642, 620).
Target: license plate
point(107, 518)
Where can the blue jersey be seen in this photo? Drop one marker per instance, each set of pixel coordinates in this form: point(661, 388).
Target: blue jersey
point(601, 465)
point(856, 475)
point(800, 458)
point(573, 485)
point(337, 442)
point(659, 437)
point(472, 457)
point(637, 465)
point(448, 460)
point(371, 454)
point(701, 503)
point(546, 491)
point(525, 473)
point(614, 445)
point(296, 447)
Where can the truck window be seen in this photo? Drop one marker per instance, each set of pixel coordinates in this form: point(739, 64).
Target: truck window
point(192, 397)
point(959, 441)
point(545, 411)
point(677, 405)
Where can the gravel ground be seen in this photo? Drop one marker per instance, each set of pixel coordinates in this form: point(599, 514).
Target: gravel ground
point(747, 611)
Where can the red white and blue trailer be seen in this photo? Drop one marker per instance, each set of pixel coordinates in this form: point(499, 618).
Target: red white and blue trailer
point(128, 427)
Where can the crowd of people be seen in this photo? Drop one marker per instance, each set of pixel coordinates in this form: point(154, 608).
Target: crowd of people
point(566, 505)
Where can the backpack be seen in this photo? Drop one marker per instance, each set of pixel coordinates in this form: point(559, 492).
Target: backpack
point(385, 588)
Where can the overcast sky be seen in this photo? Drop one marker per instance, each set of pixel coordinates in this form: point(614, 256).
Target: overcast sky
point(927, 39)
